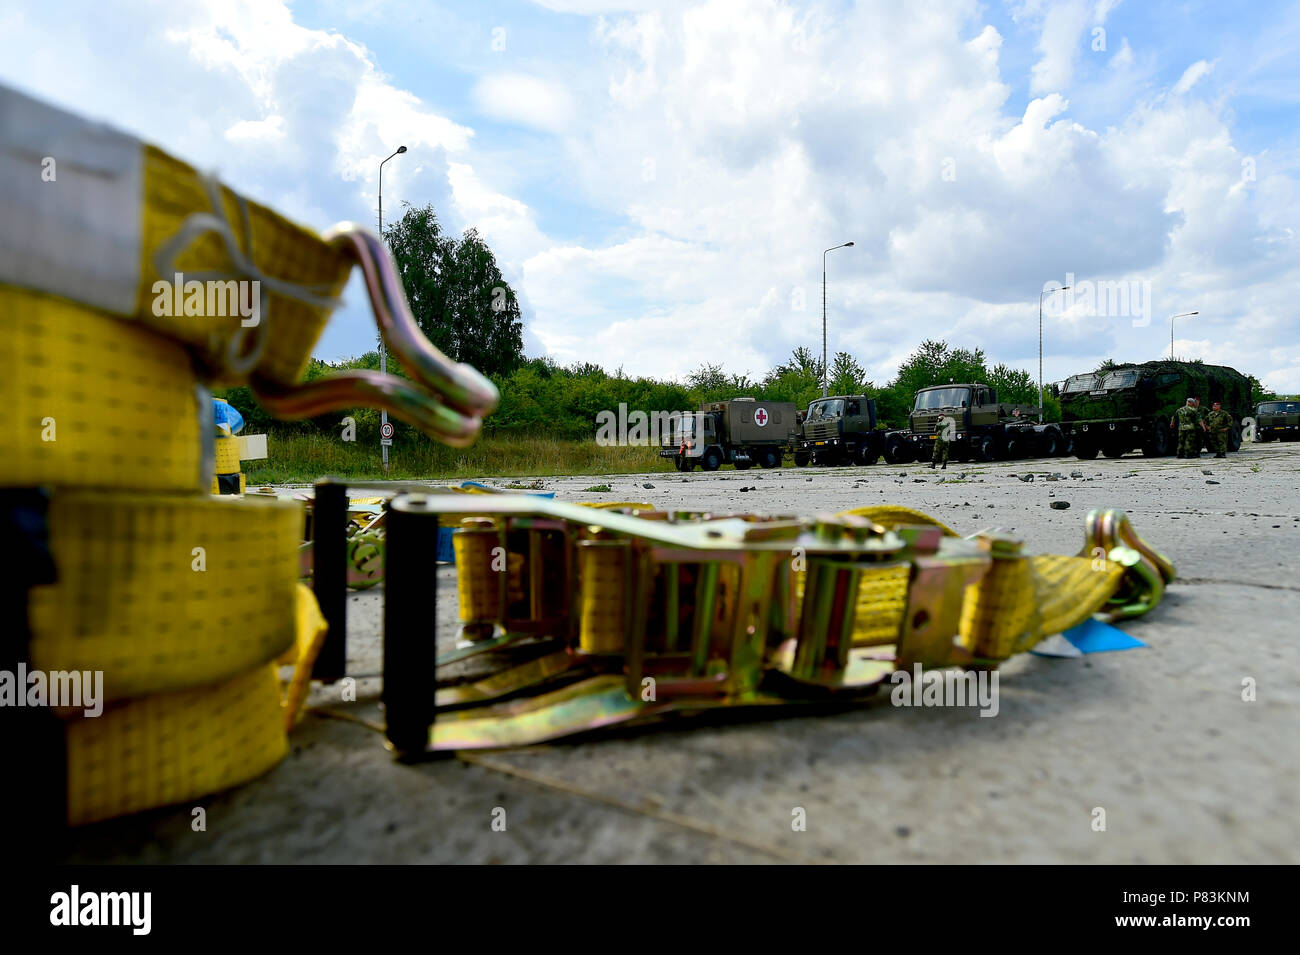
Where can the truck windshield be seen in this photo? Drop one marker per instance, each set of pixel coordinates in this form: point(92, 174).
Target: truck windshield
point(940, 398)
point(1123, 378)
point(1080, 383)
point(826, 409)
point(1280, 407)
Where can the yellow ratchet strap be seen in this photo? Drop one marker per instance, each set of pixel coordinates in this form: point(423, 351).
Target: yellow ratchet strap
point(90, 402)
point(166, 592)
point(740, 610)
point(172, 747)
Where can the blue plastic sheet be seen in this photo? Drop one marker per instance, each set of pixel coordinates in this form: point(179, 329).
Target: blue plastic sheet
point(225, 414)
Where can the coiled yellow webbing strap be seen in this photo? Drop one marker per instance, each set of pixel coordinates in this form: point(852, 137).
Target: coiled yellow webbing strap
point(173, 192)
point(227, 454)
point(881, 603)
point(91, 402)
point(170, 747)
point(164, 592)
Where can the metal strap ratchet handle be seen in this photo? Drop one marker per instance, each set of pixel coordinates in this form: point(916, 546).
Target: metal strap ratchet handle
point(445, 399)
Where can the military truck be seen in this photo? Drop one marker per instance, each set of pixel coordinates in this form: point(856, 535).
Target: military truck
point(1128, 407)
point(741, 432)
point(1277, 420)
point(840, 429)
point(981, 429)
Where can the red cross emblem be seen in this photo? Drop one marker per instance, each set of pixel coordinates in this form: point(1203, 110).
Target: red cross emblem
point(760, 416)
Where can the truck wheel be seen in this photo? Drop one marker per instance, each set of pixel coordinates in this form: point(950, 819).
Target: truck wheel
point(769, 458)
point(1084, 449)
point(1015, 448)
point(867, 454)
point(986, 449)
point(1051, 444)
point(801, 459)
point(712, 460)
point(897, 451)
point(1157, 445)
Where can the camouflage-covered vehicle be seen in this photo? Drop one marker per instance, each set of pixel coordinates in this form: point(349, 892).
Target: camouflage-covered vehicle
point(1277, 420)
point(981, 427)
point(840, 429)
point(742, 432)
point(1128, 407)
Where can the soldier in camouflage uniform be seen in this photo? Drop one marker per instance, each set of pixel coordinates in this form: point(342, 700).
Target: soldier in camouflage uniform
point(1217, 423)
point(940, 444)
point(1187, 420)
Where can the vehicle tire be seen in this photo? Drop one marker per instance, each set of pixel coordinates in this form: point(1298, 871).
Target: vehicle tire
point(712, 459)
point(769, 458)
point(986, 449)
point(1014, 448)
point(1157, 444)
point(867, 454)
point(801, 459)
point(1050, 443)
point(897, 451)
point(1234, 438)
point(1084, 449)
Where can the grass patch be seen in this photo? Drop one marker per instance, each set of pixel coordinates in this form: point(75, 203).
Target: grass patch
point(301, 459)
point(597, 489)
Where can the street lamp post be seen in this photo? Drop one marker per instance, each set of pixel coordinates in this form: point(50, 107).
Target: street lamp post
point(1040, 346)
point(383, 352)
point(826, 367)
point(1171, 330)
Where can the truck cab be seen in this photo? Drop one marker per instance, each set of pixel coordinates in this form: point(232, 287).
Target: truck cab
point(976, 424)
point(1277, 421)
point(839, 429)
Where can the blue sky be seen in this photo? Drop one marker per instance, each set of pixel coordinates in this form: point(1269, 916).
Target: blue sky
point(659, 179)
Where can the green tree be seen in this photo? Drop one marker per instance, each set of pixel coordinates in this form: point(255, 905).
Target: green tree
point(1258, 392)
point(1013, 385)
point(847, 377)
point(456, 292)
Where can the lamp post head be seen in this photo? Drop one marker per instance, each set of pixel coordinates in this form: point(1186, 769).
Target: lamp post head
point(401, 149)
point(847, 244)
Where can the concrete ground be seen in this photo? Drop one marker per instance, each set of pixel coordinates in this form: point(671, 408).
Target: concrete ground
point(1159, 737)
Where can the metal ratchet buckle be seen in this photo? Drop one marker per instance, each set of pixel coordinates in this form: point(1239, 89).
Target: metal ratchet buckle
point(444, 399)
point(1146, 570)
point(703, 609)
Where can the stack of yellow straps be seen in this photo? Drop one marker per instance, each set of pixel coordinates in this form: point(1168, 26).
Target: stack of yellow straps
point(184, 602)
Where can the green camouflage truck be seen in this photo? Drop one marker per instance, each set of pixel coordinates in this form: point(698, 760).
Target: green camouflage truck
point(1277, 420)
point(840, 429)
point(741, 431)
point(1128, 407)
point(980, 427)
